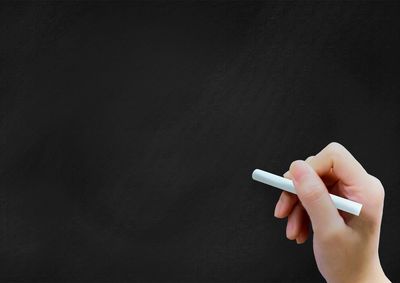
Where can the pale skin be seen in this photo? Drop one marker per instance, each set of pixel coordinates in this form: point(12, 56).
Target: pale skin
point(345, 246)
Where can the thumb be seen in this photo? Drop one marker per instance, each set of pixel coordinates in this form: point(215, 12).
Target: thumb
point(315, 198)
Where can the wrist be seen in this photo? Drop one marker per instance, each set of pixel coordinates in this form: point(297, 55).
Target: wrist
point(379, 277)
point(372, 275)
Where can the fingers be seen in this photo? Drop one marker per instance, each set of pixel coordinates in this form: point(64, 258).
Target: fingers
point(315, 198)
point(294, 222)
point(297, 226)
point(332, 164)
point(287, 201)
point(298, 221)
point(335, 160)
point(304, 229)
point(289, 206)
point(327, 176)
point(285, 205)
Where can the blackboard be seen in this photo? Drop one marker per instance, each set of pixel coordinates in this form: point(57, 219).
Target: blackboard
point(129, 132)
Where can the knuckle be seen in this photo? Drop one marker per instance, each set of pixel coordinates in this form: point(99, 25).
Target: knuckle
point(335, 148)
point(379, 189)
point(377, 181)
point(309, 158)
point(382, 193)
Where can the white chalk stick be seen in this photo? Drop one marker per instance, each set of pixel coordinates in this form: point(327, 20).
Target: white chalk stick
point(287, 185)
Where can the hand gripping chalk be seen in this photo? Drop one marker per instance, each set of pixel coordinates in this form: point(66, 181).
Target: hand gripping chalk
point(287, 185)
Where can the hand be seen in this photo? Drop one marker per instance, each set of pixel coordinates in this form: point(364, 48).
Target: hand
point(345, 246)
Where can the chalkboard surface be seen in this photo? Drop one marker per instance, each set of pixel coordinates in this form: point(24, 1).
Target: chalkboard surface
point(129, 132)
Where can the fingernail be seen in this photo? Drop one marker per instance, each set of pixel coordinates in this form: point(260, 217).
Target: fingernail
point(278, 208)
point(297, 241)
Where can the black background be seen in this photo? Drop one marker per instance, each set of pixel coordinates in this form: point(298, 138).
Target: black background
point(129, 132)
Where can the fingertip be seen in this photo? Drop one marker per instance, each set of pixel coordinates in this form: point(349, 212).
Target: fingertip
point(285, 205)
point(298, 169)
point(289, 229)
point(300, 241)
point(295, 163)
point(295, 222)
point(302, 237)
point(278, 208)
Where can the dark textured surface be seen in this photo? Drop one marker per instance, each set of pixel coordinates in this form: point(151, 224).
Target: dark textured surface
point(129, 132)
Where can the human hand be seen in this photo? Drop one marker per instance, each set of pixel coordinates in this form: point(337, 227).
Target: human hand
point(345, 246)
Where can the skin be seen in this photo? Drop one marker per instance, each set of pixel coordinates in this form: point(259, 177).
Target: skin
point(345, 246)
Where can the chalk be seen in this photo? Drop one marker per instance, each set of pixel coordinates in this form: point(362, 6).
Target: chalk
point(287, 185)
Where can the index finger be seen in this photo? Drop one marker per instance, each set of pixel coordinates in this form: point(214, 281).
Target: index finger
point(336, 160)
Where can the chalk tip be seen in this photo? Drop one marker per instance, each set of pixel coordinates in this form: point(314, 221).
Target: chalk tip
point(253, 175)
point(359, 210)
